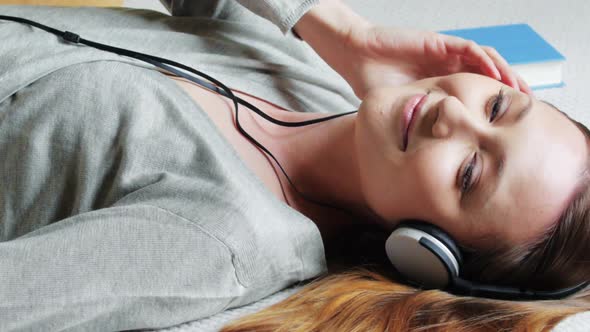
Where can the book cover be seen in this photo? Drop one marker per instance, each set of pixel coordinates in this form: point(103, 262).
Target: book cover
point(531, 56)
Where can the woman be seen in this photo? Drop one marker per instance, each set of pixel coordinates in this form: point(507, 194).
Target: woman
point(159, 221)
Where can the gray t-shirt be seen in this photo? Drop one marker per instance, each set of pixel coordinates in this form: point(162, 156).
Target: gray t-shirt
point(122, 204)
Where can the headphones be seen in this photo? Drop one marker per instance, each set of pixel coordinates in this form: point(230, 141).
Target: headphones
point(429, 258)
point(423, 253)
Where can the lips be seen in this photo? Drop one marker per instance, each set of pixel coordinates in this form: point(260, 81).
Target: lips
point(409, 113)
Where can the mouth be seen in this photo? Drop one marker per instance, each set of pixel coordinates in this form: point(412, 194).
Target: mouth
point(409, 113)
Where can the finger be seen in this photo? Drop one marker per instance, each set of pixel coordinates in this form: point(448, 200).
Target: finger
point(509, 77)
point(468, 49)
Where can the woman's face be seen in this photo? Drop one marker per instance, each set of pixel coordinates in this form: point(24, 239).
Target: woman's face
point(526, 163)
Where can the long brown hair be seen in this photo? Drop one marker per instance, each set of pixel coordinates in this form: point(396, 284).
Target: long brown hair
point(366, 297)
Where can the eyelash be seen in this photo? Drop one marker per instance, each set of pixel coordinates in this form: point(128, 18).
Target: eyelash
point(496, 105)
point(466, 177)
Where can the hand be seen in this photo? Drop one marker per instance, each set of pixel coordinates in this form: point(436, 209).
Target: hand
point(394, 56)
point(368, 56)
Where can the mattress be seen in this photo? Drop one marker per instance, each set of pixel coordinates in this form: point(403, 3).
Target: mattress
point(563, 24)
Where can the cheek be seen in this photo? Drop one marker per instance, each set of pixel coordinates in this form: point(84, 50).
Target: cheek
point(379, 161)
point(373, 122)
point(430, 175)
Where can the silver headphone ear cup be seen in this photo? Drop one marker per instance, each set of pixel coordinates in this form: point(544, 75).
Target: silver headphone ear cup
point(421, 258)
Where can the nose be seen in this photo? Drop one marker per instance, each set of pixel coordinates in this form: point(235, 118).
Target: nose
point(454, 118)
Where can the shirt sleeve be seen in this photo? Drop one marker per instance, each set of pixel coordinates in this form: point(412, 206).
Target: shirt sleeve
point(282, 13)
point(113, 269)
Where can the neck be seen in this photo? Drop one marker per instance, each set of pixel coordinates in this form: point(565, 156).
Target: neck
point(321, 161)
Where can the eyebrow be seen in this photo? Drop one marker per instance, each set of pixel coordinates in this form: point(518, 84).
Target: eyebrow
point(500, 165)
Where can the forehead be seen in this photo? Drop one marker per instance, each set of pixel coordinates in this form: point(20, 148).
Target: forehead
point(542, 168)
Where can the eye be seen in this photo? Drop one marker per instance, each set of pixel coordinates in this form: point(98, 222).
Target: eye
point(496, 104)
point(467, 175)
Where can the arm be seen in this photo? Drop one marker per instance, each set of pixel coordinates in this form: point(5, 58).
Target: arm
point(327, 28)
point(368, 56)
point(282, 13)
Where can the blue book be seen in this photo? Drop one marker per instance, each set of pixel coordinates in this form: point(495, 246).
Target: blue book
point(531, 56)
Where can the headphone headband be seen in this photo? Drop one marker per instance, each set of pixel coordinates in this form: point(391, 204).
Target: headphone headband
point(470, 288)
